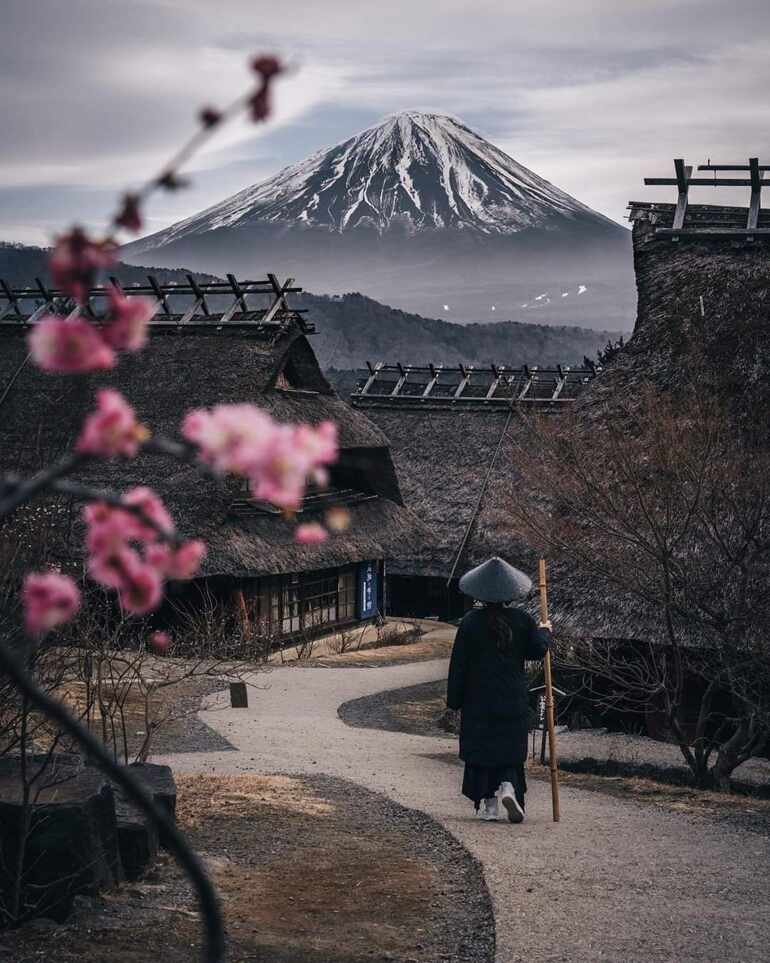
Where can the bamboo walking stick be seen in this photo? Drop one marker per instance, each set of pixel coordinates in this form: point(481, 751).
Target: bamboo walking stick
point(552, 762)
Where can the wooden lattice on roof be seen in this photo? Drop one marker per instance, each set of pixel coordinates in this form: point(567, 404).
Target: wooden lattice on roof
point(179, 303)
point(469, 386)
point(683, 220)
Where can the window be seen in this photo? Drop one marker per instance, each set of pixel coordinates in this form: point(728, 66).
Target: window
point(287, 604)
point(346, 591)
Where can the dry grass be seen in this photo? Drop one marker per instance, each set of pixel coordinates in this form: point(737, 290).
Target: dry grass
point(422, 650)
point(679, 798)
point(298, 881)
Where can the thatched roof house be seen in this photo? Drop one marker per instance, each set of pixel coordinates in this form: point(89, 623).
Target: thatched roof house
point(455, 434)
point(703, 301)
point(703, 324)
point(198, 362)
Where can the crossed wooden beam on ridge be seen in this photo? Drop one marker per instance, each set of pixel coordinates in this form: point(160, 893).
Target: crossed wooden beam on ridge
point(683, 181)
point(47, 299)
point(386, 382)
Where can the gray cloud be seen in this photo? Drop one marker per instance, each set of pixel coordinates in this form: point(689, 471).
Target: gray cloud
point(593, 95)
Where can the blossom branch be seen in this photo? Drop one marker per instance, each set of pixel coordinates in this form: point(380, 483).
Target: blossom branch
point(16, 492)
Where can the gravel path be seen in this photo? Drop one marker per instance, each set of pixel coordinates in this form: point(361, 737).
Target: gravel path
point(615, 880)
point(416, 709)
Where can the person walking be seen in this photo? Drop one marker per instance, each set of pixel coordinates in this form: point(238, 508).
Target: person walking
point(487, 682)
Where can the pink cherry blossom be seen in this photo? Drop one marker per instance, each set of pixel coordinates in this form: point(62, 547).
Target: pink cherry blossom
point(296, 453)
point(267, 67)
point(310, 533)
point(69, 346)
point(110, 527)
point(110, 565)
point(278, 459)
point(142, 589)
point(182, 562)
point(135, 553)
point(76, 260)
point(231, 438)
point(129, 216)
point(126, 327)
point(49, 599)
point(112, 429)
point(160, 641)
point(153, 509)
point(337, 519)
point(279, 475)
point(318, 444)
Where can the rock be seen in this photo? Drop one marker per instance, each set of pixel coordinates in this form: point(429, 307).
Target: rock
point(70, 847)
point(137, 837)
point(160, 780)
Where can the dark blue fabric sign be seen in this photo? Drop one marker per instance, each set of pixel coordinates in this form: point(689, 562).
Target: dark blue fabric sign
point(367, 589)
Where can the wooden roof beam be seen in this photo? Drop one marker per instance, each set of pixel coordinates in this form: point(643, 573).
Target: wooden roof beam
point(402, 376)
point(435, 373)
point(159, 294)
point(756, 195)
point(561, 381)
point(12, 302)
point(466, 377)
point(731, 167)
point(703, 182)
point(373, 372)
point(279, 300)
point(498, 373)
point(530, 374)
point(199, 294)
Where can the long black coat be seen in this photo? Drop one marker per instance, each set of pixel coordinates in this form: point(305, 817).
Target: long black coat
point(490, 687)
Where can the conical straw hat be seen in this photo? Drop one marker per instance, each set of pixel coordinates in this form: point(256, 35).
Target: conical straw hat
point(495, 581)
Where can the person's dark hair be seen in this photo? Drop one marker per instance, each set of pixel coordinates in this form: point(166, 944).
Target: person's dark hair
point(498, 626)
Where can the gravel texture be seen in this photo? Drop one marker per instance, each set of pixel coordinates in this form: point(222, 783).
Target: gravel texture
point(188, 732)
point(615, 880)
point(416, 709)
point(309, 870)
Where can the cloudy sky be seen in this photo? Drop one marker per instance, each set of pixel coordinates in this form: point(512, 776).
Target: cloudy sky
point(591, 95)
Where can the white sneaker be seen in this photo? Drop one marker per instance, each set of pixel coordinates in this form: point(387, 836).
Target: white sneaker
point(511, 803)
point(488, 809)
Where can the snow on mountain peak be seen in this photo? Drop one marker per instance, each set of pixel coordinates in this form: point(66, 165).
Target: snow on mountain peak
point(420, 170)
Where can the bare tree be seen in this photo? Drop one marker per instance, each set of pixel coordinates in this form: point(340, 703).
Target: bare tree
point(658, 524)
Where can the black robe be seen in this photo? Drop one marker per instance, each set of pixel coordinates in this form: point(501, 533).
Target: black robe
point(490, 686)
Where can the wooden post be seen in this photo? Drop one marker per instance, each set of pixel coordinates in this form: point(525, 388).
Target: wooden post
point(243, 612)
point(756, 196)
point(239, 696)
point(549, 718)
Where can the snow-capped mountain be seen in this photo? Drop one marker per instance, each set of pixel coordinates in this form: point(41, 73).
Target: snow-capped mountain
point(419, 211)
point(427, 170)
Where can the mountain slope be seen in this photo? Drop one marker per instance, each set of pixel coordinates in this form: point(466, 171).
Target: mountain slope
point(426, 170)
point(421, 212)
point(353, 329)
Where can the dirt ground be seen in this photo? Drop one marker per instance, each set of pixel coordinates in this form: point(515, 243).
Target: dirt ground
point(309, 869)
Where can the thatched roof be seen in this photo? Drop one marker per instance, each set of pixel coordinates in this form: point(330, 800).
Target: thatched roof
point(703, 321)
point(702, 301)
point(190, 366)
point(457, 469)
point(443, 454)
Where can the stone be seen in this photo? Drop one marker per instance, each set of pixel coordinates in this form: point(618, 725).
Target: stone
point(70, 847)
point(160, 780)
point(137, 837)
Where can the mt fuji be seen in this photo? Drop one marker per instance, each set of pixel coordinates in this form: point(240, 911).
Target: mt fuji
point(423, 213)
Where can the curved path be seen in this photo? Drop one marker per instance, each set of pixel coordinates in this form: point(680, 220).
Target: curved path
point(614, 881)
